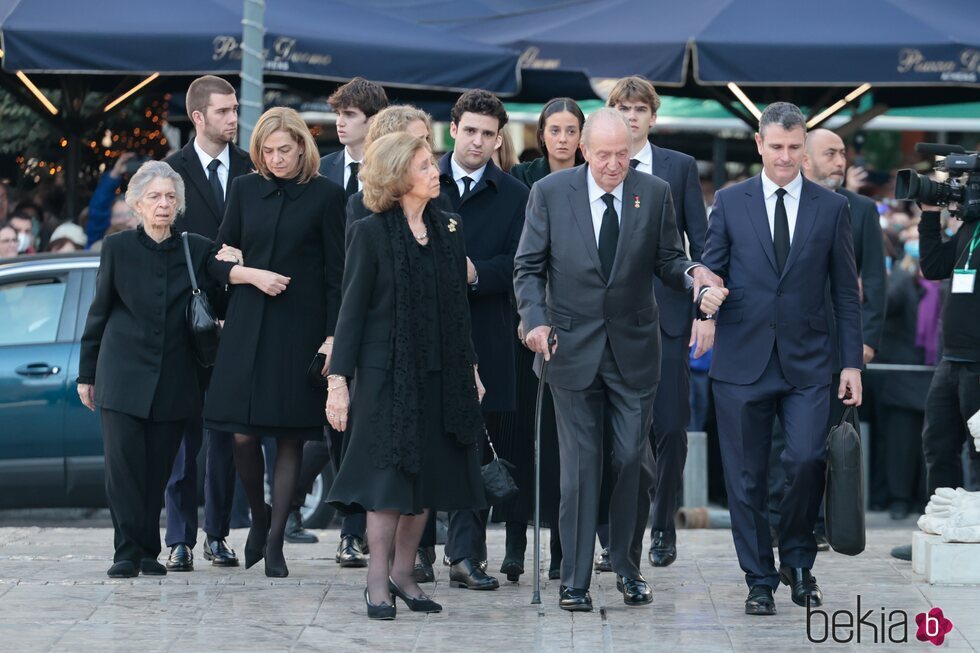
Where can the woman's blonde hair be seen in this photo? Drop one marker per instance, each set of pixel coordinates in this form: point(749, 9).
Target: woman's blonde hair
point(506, 156)
point(287, 120)
point(385, 170)
point(397, 118)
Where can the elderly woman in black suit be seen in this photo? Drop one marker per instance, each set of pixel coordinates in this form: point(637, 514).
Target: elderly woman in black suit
point(289, 223)
point(403, 339)
point(137, 363)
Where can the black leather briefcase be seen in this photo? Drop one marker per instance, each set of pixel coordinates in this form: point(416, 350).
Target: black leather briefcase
point(844, 495)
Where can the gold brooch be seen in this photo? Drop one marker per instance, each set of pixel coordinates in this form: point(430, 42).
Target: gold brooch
point(452, 225)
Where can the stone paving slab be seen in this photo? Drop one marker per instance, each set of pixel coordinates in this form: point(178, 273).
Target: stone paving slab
point(54, 596)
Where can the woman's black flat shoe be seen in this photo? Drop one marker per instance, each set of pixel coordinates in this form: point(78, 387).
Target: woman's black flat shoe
point(255, 544)
point(382, 611)
point(420, 604)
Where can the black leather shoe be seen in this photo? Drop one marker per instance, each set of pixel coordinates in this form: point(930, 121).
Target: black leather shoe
point(822, 543)
point(181, 558)
point(257, 536)
point(423, 572)
point(350, 552)
point(512, 568)
point(802, 585)
point(602, 562)
point(418, 604)
point(636, 591)
point(123, 569)
point(295, 533)
point(445, 561)
point(469, 576)
point(554, 573)
point(219, 553)
point(574, 600)
point(760, 601)
point(150, 567)
point(381, 611)
point(663, 548)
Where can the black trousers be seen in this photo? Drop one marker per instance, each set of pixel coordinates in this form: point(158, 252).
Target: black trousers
point(139, 454)
point(954, 397)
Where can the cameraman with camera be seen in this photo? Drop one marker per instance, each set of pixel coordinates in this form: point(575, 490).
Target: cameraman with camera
point(954, 394)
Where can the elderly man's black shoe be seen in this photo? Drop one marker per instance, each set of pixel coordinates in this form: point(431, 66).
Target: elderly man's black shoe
point(467, 575)
point(663, 548)
point(350, 552)
point(423, 572)
point(181, 558)
point(219, 553)
point(802, 585)
point(602, 562)
point(636, 591)
point(760, 601)
point(574, 600)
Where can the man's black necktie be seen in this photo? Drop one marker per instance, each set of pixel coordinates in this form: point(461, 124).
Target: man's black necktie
point(215, 183)
point(608, 235)
point(634, 163)
point(780, 231)
point(351, 187)
point(467, 184)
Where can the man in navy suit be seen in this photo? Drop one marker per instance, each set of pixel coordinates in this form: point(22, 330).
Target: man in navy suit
point(777, 239)
point(491, 204)
point(355, 104)
point(207, 164)
point(637, 100)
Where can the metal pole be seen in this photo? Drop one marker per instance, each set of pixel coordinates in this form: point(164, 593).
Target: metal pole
point(253, 64)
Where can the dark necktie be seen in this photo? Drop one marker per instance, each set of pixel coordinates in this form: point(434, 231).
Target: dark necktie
point(780, 231)
point(215, 183)
point(352, 180)
point(608, 235)
point(467, 182)
point(634, 163)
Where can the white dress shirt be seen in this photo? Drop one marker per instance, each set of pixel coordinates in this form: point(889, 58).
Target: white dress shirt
point(224, 157)
point(348, 159)
point(459, 173)
point(791, 200)
point(645, 158)
point(598, 205)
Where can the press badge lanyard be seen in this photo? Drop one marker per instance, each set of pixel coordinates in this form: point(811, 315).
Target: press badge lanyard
point(964, 280)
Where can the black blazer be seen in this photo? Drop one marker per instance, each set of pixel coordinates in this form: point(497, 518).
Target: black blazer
point(869, 255)
point(135, 347)
point(904, 389)
point(202, 215)
point(332, 167)
point(680, 171)
point(493, 217)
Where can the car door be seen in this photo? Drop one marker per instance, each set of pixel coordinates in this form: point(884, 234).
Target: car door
point(37, 326)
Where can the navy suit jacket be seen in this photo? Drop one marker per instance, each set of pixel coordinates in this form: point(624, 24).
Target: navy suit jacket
point(680, 171)
point(766, 309)
point(493, 217)
point(332, 167)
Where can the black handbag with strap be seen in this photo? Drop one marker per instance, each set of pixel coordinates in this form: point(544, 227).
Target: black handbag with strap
point(844, 495)
point(205, 329)
point(498, 484)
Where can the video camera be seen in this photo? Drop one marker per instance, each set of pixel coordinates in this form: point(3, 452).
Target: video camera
point(910, 185)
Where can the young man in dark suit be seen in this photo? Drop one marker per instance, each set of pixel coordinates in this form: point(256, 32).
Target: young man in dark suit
point(207, 165)
point(637, 100)
point(491, 204)
point(778, 240)
point(355, 104)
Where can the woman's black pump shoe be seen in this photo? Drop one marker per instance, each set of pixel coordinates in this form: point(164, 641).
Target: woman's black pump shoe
point(255, 544)
point(420, 604)
point(382, 611)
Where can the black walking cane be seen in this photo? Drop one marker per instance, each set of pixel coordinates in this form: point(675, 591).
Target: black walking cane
point(542, 380)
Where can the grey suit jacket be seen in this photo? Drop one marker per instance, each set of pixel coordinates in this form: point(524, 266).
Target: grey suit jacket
point(558, 279)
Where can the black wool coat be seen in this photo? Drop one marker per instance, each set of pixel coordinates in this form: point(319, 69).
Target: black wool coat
point(136, 347)
point(268, 343)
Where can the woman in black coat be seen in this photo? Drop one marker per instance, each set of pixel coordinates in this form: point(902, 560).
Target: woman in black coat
point(559, 131)
point(403, 339)
point(289, 223)
point(137, 363)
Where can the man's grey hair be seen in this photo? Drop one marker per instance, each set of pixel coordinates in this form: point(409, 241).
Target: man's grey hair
point(602, 115)
point(148, 172)
point(785, 114)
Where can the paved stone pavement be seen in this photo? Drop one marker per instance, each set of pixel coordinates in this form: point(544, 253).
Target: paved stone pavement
point(54, 595)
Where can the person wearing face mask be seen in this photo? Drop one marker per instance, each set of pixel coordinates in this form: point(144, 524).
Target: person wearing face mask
point(23, 224)
point(288, 221)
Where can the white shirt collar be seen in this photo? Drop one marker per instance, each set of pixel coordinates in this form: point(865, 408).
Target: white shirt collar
point(645, 156)
point(459, 173)
point(348, 159)
point(793, 188)
point(224, 156)
point(595, 192)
